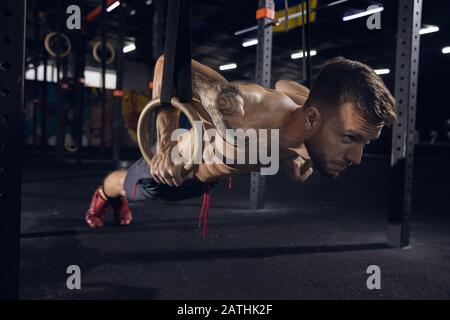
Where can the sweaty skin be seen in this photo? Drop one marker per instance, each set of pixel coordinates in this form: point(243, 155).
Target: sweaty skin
point(231, 105)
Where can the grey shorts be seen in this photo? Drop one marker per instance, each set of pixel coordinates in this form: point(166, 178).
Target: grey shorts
point(139, 185)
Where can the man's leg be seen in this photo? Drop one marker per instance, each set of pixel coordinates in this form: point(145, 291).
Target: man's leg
point(135, 184)
point(117, 188)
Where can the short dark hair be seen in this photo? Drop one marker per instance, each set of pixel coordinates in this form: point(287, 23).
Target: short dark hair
point(345, 81)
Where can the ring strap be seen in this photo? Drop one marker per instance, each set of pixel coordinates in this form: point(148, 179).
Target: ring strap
point(177, 74)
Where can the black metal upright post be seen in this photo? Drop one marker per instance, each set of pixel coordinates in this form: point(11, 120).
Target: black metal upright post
point(35, 83)
point(44, 105)
point(80, 62)
point(304, 77)
point(263, 75)
point(66, 102)
point(103, 62)
point(406, 83)
point(307, 54)
point(59, 106)
point(118, 122)
point(12, 42)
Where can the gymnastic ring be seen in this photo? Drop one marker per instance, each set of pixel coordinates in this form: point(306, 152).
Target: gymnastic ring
point(50, 50)
point(109, 46)
point(144, 132)
point(70, 145)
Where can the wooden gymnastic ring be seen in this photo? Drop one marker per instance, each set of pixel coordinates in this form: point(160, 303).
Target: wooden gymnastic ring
point(70, 145)
point(144, 133)
point(50, 51)
point(109, 46)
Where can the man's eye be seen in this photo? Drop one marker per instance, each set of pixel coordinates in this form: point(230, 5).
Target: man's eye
point(349, 138)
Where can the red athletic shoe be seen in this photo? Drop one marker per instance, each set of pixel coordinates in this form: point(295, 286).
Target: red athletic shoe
point(122, 212)
point(97, 209)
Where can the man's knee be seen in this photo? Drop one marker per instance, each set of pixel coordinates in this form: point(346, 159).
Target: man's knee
point(115, 179)
point(121, 175)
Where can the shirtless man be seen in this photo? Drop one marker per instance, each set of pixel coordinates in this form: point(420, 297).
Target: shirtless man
point(346, 109)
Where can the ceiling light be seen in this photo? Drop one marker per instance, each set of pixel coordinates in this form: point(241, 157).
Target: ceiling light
point(446, 50)
point(129, 47)
point(363, 14)
point(132, 12)
point(428, 29)
point(250, 43)
point(113, 6)
point(382, 71)
point(300, 55)
point(228, 66)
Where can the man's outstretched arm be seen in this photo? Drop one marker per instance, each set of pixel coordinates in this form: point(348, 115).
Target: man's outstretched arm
point(218, 96)
point(166, 123)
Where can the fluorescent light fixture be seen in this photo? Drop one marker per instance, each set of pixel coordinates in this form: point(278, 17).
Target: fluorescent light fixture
point(228, 66)
point(300, 55)
point(428, 29)
point(93, 78)
point(132, 12)
point(129, 47)
point(148, 2)
point(335, 3)
point(363, 14)
point(113, 6)
point(51, 73)
point(250, 43)
point(446, 50)
point(382, 71)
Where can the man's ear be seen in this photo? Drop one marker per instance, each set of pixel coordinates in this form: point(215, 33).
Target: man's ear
point(313, 118)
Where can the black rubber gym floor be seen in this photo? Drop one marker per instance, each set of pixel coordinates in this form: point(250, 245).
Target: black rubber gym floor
point(313, 240)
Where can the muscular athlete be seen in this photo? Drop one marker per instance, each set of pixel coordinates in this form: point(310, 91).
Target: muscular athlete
point(346, 109)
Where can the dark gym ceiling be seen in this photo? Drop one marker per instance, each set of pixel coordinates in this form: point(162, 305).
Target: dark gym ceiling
point(215, 21)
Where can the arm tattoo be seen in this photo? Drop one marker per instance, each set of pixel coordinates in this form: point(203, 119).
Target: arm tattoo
point(219, 97)
point(228, 101)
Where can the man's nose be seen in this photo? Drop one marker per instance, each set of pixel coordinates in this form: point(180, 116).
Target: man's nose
point(354, 155)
